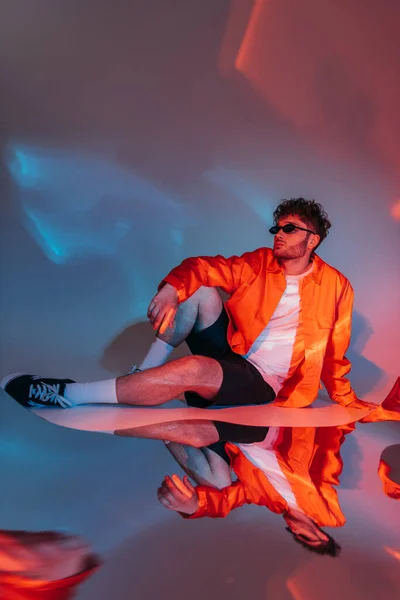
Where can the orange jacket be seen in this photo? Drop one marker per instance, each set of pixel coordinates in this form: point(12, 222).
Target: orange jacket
point(389, 410)
point(256, 282)
point(310, 460)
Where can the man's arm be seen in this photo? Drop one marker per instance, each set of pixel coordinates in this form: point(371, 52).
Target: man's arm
point(216, 503)
point(185, 279)
point(336, 366)
point(210, 271)
point(201, 501)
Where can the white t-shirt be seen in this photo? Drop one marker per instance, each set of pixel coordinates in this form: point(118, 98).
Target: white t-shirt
point(280, 346)
point(263, 456)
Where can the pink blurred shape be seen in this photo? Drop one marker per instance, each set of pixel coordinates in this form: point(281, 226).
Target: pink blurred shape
point(329, 68)
point(395, 211)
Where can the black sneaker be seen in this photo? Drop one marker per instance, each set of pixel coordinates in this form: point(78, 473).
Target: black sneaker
point(35, 391)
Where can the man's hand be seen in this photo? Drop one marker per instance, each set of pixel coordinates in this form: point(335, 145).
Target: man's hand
point(162, 309)
point(178, 495)
point(362, 404)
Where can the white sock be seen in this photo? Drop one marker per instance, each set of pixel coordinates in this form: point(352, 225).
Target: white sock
point(157, 355)
point(98, 392)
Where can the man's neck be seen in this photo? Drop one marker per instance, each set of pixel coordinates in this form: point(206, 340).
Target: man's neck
point(296, 266)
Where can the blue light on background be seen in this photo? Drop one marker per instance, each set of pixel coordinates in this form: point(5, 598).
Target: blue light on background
point(78, 206)
point(244, 190)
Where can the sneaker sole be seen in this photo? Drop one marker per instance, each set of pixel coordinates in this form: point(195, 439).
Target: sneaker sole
point(6, 380)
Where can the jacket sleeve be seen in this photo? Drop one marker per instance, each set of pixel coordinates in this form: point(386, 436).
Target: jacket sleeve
point(210, 271)
point(218, 503)
point(336, 366)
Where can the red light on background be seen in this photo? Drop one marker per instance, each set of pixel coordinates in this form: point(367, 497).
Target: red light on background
point(393, 553)
point(395, 211)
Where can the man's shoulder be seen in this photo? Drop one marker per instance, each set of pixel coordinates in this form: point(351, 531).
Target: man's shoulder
point(263, 251)
point(261, 259)
point(264, 254)
point(332, 273)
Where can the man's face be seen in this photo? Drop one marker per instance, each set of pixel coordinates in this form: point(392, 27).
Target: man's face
point(305, 529)
point(296, 244)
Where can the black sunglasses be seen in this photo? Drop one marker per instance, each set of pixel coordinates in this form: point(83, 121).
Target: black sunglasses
point(288, 228)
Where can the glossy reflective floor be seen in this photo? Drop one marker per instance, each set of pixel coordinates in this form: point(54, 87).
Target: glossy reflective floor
point(104, 489)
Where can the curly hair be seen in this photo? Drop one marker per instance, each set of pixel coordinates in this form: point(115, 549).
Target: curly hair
point(329, 547)
point(309, 211)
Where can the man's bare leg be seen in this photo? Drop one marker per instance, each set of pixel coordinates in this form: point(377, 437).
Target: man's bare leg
point(186, 441)
point(151, 387)
point(203, 465)
point(196, 433)
point(156, 386)
point(197, 313)
point(203, 375)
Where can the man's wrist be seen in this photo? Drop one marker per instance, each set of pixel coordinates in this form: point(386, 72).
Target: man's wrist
point(169, 286)
point(176, 285)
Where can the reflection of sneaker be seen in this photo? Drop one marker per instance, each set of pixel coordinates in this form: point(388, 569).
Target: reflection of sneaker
point(35, 391)
point(133, 369)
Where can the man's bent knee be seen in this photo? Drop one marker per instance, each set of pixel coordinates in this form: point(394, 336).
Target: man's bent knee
point(197, 365)
point(205, 293)
point(209, 307)
point(204, 296)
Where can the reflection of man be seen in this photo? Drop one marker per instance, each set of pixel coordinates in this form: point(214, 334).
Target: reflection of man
point(45, 563)
point(285, 326)
point(292, 472)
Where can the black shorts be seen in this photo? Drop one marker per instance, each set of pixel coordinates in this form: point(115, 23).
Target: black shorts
point(242, 383)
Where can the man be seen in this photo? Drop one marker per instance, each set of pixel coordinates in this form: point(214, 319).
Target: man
point(285, 327)
point(292, 472)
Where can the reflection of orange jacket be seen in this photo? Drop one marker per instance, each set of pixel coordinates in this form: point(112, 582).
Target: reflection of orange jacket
point(310, 460)
point(256, 282)
point(389, 410)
